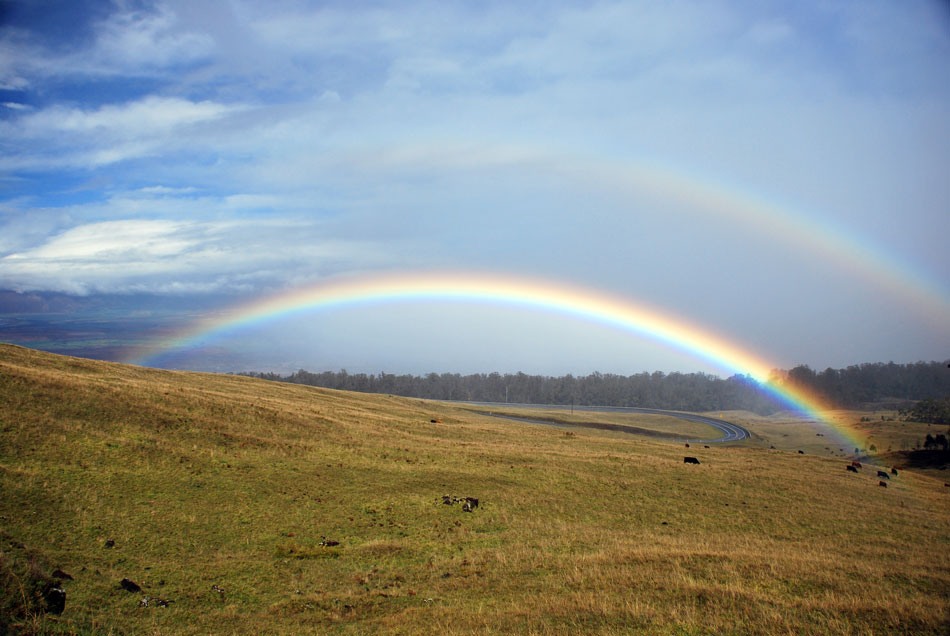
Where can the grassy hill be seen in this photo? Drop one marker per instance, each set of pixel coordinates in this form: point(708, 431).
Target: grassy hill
point(255, 507)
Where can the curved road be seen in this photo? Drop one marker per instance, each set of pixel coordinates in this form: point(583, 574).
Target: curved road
point(730, 432)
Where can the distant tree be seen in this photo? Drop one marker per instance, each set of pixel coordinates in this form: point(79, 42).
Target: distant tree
point(931, 411)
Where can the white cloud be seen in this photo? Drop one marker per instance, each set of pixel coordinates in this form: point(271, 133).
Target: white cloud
point(139, 254)
point(61, 135)
point(113, 241)
point(135, 41)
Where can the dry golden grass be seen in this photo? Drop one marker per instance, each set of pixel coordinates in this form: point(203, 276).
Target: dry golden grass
point(209, 480)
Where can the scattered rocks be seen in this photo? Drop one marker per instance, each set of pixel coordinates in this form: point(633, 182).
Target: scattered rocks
point(129, 585)
point(150, 601)
point(469, 504)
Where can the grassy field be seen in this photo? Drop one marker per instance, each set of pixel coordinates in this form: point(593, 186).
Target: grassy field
point(254, 507)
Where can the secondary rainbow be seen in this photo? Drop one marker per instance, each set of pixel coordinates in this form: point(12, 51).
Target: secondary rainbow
point(541, 295)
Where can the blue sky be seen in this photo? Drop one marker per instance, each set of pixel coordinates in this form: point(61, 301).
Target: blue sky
point(773, 171)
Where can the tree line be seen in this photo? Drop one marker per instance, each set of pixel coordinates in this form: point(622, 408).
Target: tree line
point(885, 385)
point(881, 385)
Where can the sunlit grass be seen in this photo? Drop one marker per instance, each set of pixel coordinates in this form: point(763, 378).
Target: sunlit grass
point(210, 482)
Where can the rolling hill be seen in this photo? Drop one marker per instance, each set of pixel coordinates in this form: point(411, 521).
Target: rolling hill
point(183, 503)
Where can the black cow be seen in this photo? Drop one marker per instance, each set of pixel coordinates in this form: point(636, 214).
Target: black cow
point(690, 460)
point(55, 598)
point(893, 471)
point(882, 484)
point(856, 464)
point(883, 474)
point(852, 469)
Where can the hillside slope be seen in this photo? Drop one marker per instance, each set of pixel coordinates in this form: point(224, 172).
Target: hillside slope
point(254, 507)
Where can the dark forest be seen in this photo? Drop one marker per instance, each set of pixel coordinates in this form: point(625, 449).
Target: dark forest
point(872, 385)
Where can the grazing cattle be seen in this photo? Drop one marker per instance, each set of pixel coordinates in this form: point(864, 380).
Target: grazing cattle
point(690, 460)
point(852, 469)
point(801, 452)
point(471, 503)
point(329, 543)
point(687, 444)
point(129, 585)
point(882, 484)
point(55, 599)
point(893, 471)
point(883, 474)
point(856, 464)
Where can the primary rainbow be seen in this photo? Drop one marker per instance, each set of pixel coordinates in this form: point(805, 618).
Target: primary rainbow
point(583, 304)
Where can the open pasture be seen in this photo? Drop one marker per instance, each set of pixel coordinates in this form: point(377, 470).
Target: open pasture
point(239, 506)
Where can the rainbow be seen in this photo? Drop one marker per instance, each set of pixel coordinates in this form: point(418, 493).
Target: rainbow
point(920, 292)
point(580, 303)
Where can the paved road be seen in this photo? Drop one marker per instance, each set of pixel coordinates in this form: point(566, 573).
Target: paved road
point(730, 432)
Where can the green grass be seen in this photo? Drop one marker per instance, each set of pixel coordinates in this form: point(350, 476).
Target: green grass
point(209, 480)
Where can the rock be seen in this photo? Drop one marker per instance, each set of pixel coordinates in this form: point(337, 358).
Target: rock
point(150, 601)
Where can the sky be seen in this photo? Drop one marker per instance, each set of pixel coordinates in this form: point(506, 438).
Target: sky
point(774, 173)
